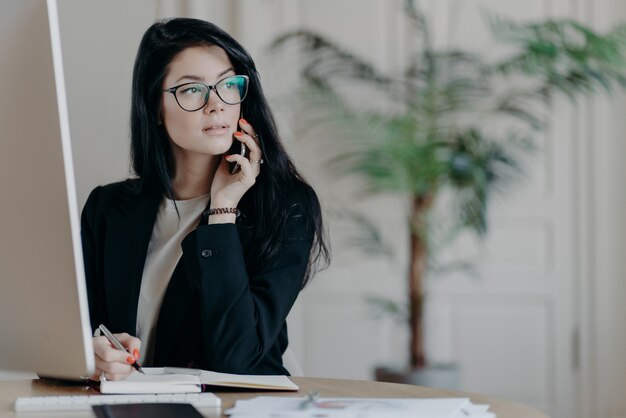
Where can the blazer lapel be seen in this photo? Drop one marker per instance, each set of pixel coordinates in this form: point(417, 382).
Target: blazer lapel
point(176, 305)
point(129, 230)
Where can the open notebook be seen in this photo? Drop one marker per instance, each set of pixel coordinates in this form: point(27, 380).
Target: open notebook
point(181, 380)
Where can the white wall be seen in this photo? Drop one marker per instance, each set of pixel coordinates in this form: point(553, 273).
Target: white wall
point(609, 289)
point(99, 42)
point(606, 311)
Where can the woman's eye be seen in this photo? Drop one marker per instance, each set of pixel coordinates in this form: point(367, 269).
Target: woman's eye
point(229, 86)
point(190, 90)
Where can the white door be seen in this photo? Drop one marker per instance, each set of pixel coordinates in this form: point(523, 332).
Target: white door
point(514, 329)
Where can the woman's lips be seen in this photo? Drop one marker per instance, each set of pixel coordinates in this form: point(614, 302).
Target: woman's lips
point(216, 130)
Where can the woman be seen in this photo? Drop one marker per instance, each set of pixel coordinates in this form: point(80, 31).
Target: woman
point(189, 264)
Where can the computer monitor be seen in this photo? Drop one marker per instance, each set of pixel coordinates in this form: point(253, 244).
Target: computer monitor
point(44, 317)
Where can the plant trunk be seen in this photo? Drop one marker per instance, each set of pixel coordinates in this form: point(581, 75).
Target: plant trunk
point(420, 206)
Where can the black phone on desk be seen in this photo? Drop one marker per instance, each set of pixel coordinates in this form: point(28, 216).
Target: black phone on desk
point(147, 410)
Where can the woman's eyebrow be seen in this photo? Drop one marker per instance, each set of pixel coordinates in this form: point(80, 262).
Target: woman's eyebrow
point(198, 78)
point(226, 71)
point(190, 77)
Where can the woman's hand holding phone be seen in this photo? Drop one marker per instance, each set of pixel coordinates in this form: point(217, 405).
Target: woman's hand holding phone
point(237, 172)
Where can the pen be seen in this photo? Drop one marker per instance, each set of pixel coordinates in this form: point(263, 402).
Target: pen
point(119, 345)
point(310, 400)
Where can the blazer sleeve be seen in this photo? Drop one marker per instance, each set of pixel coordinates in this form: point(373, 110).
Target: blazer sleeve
point(241, 315)
point(91, 248)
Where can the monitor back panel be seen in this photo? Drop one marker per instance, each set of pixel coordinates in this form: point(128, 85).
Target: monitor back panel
point(43, 307)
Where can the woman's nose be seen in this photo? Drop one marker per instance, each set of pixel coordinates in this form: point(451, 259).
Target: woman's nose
point(214, 103)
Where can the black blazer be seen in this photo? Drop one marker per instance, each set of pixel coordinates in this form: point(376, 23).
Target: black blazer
point(216, 314)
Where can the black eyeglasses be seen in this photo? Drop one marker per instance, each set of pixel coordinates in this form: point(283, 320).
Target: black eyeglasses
point(194, 96)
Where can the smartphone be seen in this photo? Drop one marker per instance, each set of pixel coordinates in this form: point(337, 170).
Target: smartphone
point(237, 148)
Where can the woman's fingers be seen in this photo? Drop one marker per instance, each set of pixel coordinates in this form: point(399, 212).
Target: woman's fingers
point(105, 350)
point(245, 166)
point(255, 150)
point(132, 344)
point(111, 370)
point(248, 129)
point(250, 138)
point(115, 364)
point(113, 367)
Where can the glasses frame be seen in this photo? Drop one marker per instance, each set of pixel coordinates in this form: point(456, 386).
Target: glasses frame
point(209, 87)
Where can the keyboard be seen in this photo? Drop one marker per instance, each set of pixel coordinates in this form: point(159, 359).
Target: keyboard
point(84, 402)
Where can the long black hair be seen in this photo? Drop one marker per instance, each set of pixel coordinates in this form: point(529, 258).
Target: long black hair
point(268, 204)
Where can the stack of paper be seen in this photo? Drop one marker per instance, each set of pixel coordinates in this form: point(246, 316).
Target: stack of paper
point(281, 407)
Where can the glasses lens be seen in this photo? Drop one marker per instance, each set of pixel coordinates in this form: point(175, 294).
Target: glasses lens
point(232, 90)
point(192, 96)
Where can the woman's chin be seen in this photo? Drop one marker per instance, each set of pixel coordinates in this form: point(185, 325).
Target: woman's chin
point(219, 145)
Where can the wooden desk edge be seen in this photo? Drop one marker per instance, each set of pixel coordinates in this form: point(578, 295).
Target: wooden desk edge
point(12, 389)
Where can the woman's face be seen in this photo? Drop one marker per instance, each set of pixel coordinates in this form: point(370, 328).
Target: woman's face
point(208, 131)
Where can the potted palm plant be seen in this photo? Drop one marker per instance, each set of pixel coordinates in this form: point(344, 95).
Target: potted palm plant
point(448, 124)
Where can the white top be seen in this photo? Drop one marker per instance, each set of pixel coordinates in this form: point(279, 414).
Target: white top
point(164, 252)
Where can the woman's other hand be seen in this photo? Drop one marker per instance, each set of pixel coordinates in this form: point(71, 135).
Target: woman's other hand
point(112, 363)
